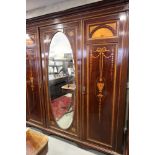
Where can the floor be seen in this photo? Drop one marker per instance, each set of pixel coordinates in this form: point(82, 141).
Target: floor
point(60, 146)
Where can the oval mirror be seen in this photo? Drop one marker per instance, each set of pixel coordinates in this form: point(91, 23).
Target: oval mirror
point(61, 76)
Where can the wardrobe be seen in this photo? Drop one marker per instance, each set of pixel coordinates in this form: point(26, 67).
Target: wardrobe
point(76, 74)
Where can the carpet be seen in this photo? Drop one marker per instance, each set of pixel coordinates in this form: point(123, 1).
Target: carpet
point(61, 105)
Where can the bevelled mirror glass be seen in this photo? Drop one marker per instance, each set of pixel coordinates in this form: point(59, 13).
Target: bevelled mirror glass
point(61, 76)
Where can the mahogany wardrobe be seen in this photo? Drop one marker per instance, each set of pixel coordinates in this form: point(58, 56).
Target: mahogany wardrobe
point(76, 74)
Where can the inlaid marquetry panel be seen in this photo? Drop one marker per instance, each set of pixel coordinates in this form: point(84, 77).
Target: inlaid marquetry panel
point(102, 30)
point(101, 92)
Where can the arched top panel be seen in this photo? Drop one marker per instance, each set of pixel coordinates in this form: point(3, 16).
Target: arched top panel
point(102, 31)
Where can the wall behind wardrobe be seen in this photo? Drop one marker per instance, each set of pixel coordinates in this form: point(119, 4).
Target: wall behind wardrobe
point(36, 8)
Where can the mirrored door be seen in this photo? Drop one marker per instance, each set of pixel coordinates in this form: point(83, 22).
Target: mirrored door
point(61, 80)
point(62, 67)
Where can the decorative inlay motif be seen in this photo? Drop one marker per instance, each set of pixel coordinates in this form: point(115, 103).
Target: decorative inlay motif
point(112, 63)
point(30, 41)
point(30, 64)
point(103, 30)
point(102, 52)
point(71, 33)
point(102, 33)
point(32, 84)
point(73, 129)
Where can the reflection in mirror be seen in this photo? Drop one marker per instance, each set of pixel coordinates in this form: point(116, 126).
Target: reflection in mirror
point(61, 75)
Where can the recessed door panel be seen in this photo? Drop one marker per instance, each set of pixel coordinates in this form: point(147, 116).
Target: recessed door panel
point(33, 79)
point(101, 91)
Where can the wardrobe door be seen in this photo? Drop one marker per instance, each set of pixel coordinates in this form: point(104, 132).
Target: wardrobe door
point(61, 75)
point(105, 72)
point(34, 108)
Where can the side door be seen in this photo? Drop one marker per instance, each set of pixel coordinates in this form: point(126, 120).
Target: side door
point(34, 93)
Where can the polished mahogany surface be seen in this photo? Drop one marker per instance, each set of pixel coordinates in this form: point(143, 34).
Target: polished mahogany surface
point(33, 79)
point(98, 35)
